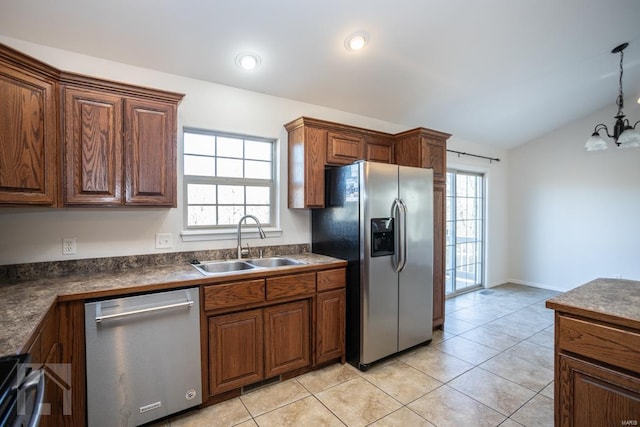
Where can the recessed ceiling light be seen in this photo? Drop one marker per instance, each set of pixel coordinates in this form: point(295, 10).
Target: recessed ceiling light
point(356, 41)
point(248, 61)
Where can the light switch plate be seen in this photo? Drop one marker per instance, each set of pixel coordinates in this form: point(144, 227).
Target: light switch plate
point(164, 240)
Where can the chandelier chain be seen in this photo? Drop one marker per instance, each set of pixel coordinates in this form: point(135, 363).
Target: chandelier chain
point(620, 100)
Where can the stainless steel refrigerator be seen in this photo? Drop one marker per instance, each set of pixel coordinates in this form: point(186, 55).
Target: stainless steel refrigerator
point(379, 217)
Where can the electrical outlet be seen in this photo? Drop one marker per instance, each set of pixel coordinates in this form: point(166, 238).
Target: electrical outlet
point(164, 240)
point(69, 246)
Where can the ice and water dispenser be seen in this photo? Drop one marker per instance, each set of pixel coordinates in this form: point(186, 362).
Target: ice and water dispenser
point(382, 242)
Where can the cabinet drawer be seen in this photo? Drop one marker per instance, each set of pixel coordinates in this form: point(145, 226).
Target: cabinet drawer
point(608, 344)
point(233, 294)
point(289, 286)
point(331, 279)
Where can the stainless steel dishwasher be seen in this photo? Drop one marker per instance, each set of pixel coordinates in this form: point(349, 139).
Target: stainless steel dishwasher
point(143, 357)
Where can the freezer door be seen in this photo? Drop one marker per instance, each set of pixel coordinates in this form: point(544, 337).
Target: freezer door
point(379, 281)
point(415, 289)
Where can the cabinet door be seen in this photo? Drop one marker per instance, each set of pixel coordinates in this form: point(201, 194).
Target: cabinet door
point(235, 350)
point(286, 338)
point(330, 327)
point(28, 138)
point(150, 153)
point(379, 152)
point(92, 148)
point(439, 193)
point(594, 396)
point(344, 149)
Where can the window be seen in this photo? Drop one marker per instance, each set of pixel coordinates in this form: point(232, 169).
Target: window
point(464, 231)
point(226, 177)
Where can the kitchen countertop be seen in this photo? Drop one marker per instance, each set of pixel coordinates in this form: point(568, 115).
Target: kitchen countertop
point(24, 303)
point(616, 301)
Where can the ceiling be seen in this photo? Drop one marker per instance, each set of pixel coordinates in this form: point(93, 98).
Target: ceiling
point(497, 72)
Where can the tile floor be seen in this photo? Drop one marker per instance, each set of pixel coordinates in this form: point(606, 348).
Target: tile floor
point(492, 365)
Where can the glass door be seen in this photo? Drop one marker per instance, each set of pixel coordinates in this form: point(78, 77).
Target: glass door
point(464, 231)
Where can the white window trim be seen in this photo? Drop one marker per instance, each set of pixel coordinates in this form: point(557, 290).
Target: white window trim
point(249, 230)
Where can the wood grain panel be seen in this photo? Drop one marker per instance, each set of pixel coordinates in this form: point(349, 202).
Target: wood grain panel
point(435, 157)
point(315, 159)
point(331, 279)
point(93, 148)
point(236, 350)
point(292, 285)
point(600, 342)
point(150, 153)
point(439, 256)
point(234, 294)
point(330, 327)
point(296, 170)
point(286, 338)
point(382, 153)
point(593, 396)
point(344, 149)
point(28, 137)
point(71, 338)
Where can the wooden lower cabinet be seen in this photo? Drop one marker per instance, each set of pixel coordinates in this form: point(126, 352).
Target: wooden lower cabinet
point(286, 338)
point(593, 395)
point(249, 346)
point(235, 350)
point(330, 325)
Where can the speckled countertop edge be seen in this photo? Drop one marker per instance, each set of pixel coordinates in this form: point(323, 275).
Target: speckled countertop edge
point(24, 303)
point(613, 300)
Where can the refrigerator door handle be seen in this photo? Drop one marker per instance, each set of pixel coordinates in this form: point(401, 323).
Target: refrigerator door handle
point(403, 235)
point(395, 213)
point(399, 210)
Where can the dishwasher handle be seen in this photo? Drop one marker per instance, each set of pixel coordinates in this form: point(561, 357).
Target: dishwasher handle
point(100, 317)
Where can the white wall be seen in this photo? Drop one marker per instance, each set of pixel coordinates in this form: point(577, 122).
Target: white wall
point(573, 214)
point(35, 234)
point(496, 207)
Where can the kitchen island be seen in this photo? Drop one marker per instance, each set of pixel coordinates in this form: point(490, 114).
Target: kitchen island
point(597, 354)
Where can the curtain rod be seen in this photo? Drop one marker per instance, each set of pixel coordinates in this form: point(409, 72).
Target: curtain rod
point(460, 153)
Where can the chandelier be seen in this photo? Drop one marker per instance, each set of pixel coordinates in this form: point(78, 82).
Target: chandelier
point(624, 135)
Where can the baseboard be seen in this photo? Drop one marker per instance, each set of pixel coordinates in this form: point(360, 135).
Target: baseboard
point(536, 285)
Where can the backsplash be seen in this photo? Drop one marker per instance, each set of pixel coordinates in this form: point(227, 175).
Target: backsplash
point(39, 270)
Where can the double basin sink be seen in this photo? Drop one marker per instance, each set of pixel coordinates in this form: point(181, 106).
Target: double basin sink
point(211, 268)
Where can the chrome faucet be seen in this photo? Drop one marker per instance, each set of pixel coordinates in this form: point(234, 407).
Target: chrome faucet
point(260, 231)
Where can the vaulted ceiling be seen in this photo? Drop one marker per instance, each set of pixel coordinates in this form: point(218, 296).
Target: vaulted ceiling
point(499, 72)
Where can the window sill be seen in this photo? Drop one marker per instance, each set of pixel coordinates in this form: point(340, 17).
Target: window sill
point(206, 235)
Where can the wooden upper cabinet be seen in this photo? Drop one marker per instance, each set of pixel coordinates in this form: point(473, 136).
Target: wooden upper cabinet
point(379, 149)
point(150, 153)
point(315, 144)
point(92, 147)
point(307, 157)
point(424, 148)
point(119, 144)
point(344, 149)
point(28, 131)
